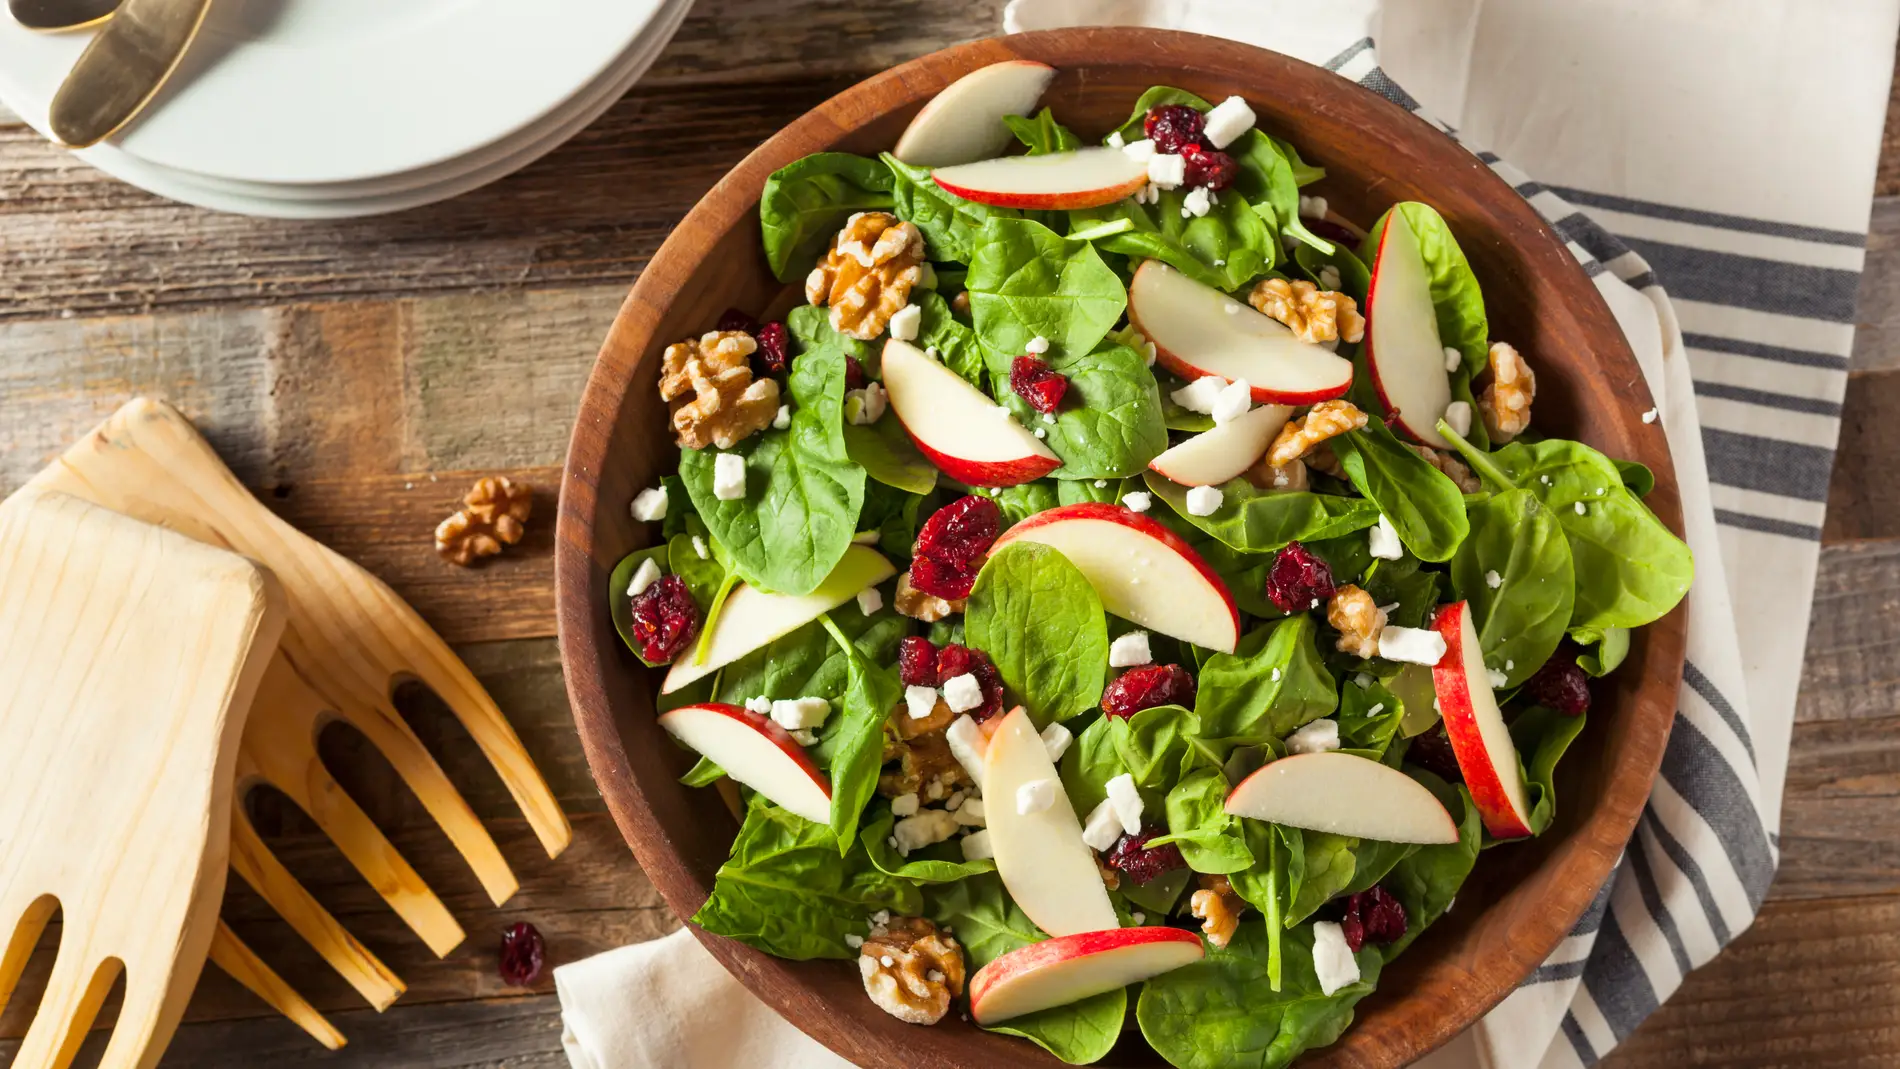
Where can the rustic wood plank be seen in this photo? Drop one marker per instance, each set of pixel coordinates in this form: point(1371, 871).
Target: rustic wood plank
point(1841, 812)
point(1853, 662)
point(1863, 496)
point(1877, 315)
point(1887, 180)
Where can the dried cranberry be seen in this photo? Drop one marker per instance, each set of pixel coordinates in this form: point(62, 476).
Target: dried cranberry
point(1298, 580)
point(951, 544)
point(733, 319)
point(854, 377)
point(1561, 685)
point(1146, 687)
point(1331, 231)
point(955, 660)
point(1432, 751)
point(1133, 855)
point(917, 662)
point(775, 347)
point(1372, 917)
point(664, 619)
point(523, 953)
point(1209, 167)
point(1037, 383)
point(936, 578)
point(1173, 127)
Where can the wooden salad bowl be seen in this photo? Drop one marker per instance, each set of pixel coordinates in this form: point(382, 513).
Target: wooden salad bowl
point(1521, 901)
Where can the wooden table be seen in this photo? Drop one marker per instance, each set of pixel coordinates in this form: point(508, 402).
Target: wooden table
point(359, 375)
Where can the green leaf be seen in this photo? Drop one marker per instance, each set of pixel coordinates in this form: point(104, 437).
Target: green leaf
point(1042, 624)
point(1253, 520)
point(704, 773)
point(787, 889)
point(1328, 871)
point(807, 200)
point(887, 454)
point(1544, 734)
point(1153, 744)
point(956, 343)
point(1110, 424)
point(803, 492)
point(1637, 478)
point(1226, 248)
point(1024, 500)
point(1427, 879)
point(1273, 683)
point(1402, 582)
point(1519, 622)
point(950, 224)
point(1354, 277)
point(1456, 297)
point(856, 743)
point(1079, 1033)
point(1027, 281)
point(1612, 645)
point(1209, 838)
point(620, 605)
point(1268, 180)
point(1076, 491)
point(1042, 134)
point(1368, 717)
point(1426, 508)
point(939, 863)
point(1091, 762)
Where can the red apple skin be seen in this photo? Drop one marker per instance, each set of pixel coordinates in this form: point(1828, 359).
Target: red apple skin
point(1082, 198)
point(1182, 369)
point(1067, 948)
point(1372, 363)
point(983, 472)
point(1102, 510)
point(766, 726)
point(1461, 726)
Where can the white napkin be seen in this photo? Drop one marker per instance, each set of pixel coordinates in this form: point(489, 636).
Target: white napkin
point(1718, 189)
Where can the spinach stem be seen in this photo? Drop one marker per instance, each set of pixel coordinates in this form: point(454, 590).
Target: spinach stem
point(712, 615)
point(1274, 921)
point(1477, 458)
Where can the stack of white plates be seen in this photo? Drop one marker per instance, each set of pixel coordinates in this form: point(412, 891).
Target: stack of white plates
point(325, 109)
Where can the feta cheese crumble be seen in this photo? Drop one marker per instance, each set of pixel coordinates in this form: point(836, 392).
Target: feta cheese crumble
point(1412, 645)
point(927, 827)
point(854, 941)
point(729, 477)
point(1127, 802)
point(1138, 501)
point(1204, 500)
point(920, 701)
point(798, 714)
point(865, 407)
point(699, 548)
point(1037, 346)
point(1103, 827)
point(1453, 359)
point(1581, 511)
point(905, 805)
point(1201, 394)
point(1316, 737)
point(1130, 650)
point(650, 505)
point(1143, 150)
point(976, 846)
point(761, 705)
point(784, 417)
point(1328, 277)
point(1498, 679)
point(1196, 203)
point(905, 321)
point(1493, 580)
point(1226, 121)
point(1384, 541)
point(870, 600)
point(1333, 963)
point(1167, 170)
point(1650, 416)
point(962, 693)
point(1055, 741)
point(967, 744)
point(644, 576)
point(1458, 417)
point(970, 813)
point(1313, 207)
point(1115, 139)
point(1035, 796)
point(1232, 402)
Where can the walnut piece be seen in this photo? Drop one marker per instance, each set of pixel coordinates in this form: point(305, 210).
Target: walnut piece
point(1323, 460)
point(1313, 314)
point(912, 969)
point(1218, 909)
point(1290, 476)
point(1111, 877)
point(493, 514)
point(1506, 402)
point(918, 605)
point(908, 727)
point(1453, 468)
point(1359, 620)
point(728, 405)
point(867, 276)
point(925, 766)
point(1328, 419)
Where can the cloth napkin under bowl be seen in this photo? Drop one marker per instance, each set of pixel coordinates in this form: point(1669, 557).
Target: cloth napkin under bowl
point(1717, 187)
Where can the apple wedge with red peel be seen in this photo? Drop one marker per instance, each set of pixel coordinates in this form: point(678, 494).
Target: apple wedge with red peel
point(1402, 343)
point(752, 617)
point(754, 751)
point(1479, 738)
point(964, 121)
point(957, 426)
point(1197, 331)
point(1142, 571)
point(1212, 457)
point(1048, 869)
point(1344, 794)
point(1082, 178)
point(1070, 968)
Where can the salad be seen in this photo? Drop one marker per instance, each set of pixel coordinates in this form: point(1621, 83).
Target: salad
point(1126, 594)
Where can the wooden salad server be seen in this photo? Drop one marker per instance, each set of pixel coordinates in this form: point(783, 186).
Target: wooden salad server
point(128, 660)
point(348, 638)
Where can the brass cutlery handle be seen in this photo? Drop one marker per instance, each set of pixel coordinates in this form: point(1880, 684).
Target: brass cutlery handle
point(61, 14)
point(123, 67)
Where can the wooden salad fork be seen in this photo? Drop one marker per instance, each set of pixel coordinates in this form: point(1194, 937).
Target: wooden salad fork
point(129, 657)
point(347, 639)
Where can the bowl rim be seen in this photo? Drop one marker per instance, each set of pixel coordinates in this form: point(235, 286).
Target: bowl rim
point(630, 345)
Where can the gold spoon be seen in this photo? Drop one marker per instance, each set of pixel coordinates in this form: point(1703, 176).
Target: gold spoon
point(61, 14)
point(123, 67)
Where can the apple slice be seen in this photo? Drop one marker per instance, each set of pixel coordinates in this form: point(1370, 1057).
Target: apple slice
point(1214, 456)
point(756, 752)
point(1344, 794)
point(1040, 855)
point(753, 617)
point(1479, 738)
point(1070, 968)
point(1141, 570)
point(1197, 330)
point(964, 121)
point(1413, 687)
point(1083, 178)
point(1402, 344)
point(957, 426)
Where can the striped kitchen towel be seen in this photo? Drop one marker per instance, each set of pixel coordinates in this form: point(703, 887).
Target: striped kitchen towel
point(1711, 163)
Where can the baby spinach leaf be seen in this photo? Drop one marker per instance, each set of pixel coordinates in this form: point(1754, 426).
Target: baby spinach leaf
point(1110, 424)
point(1637, 478)
point(1153, 744)
point(1426, 880)
point(1520, 620)
point(1225, 248)
point(1425, 507)
point(803, 492)
point(704, 773)
point(892, 514)
point(1403, 583)
point(887, 454)
point(1354, 277)
point(1253, 520)
point(1372, 860)
point(1612, 645)
point(1042, 134)
point(1024, 500)
point(1027, 281)
point(1543, 734)
point(1209, 838)
point(1368, 716)
point(1271, 684)
point(620, 605)
point(1455, 294)
point(949, 223)
point(1041, 622)
point(1304, 173)
point(1075, 491)
point(807, 200)
point(939, 863)
point(1079, 1033)
point(956, 344)
point(1154, 97)
point(1328, 871)
point(1091, 762)
point(788, 890)
point(856, 741)
point(703, 576)
point(1269, 182)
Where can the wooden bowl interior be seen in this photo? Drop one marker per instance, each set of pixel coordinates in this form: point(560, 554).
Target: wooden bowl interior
point(1521, 901)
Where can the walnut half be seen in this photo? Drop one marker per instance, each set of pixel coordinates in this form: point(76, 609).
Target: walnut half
point(493, 514)
point(1313, 314)
point(727, 405)
point(1300, 437)
point(912, 969)
point(1506, 403)
point(867, 276)
point(1359, 620)
point(1218, 908)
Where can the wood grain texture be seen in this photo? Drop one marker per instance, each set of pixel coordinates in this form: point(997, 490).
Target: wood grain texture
point(1841, 814)
point(1853, 662)
point(1863, 495)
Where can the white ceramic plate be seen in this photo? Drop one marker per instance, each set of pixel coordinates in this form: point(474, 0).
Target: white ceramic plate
point(329, 91)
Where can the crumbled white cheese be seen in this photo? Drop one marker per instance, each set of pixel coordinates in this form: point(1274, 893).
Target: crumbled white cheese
point(1498, 679)
point(761, 705)
point(1035, 796)
point(1138, 917)
point(1226, 121)
point(1328, 277)
point(1200, 395)
point(931, 352)
point(867, 538)
point(784, 417)
point(905, 321)
point(1313, 207)
point(962, 693)
point(1037, 346)
point(905, 805)
point(1130, 650)
point(955, 800)
point(797, 714)
point(644, 576)
point(970, 813)
point(927, 827)
point(1115, 139)
point(920, 701)
point(1316, 737)
point(865, 407)
point(1493, 580)
point(1056, 739)
point(1361, 679)
point(1103, 827)
point(1413, 645)
point(1204, 500)
point(1581, 511)
point(1196, 203)
point(804, 738)
point(854, 941)
point(1231, 308)
point(1040, 433)
point(699, 548)
point(1276, 671)
point(1232, 402)
point(967, 744)
point(1099, 483)
point(870, 600)
point(1049, 417)
point(976, 846)
point(1167, 170)
point(1138, 501)
point(1453, 358)
point(1384, 541)
point(1458, 417)
point(1333, 962)
point(1126, 800)
point(650, 505)
point(729, 477)
point(1143, 150)
point(1650, 416)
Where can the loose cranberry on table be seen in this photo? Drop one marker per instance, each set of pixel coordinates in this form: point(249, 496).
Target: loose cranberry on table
point(1147, 687)
point(1299, 580)
point(1374, 917)
point(523, 954)
point(1561, 685)
point(1039, 385)
point(1132, 855)
point(665, 619)
point(1173, 127)
point(1208, 167)
point(951, 545)
point(956, 660)
point(917, 662)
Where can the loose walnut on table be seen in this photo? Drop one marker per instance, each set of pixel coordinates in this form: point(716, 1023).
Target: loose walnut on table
point(494, 514)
